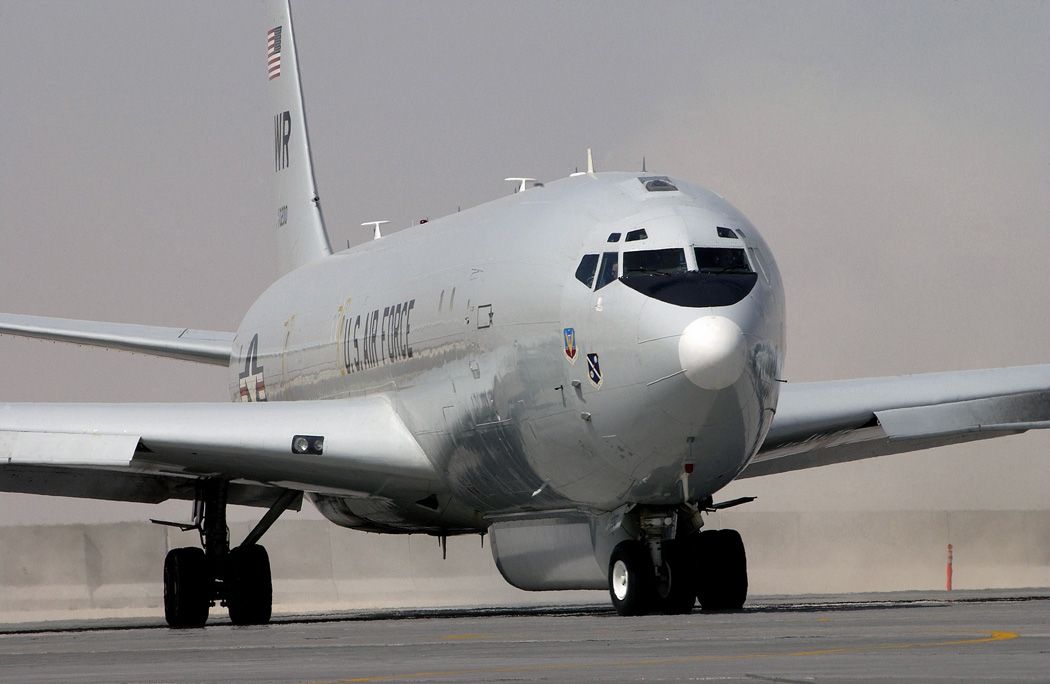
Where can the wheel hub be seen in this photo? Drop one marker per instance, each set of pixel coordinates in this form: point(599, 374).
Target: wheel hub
point(620, 579)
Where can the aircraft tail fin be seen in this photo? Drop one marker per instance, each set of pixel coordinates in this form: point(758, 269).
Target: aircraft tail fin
point(301, 235)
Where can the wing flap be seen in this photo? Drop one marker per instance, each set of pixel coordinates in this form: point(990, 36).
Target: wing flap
point(124, 485)
point(201, 346)
point(60, 448)
point(824, 423)
point(1009, 413)
point(851, 446)
point(367, 450)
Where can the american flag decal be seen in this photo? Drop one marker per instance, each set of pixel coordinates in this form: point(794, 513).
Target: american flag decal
point(273, 53)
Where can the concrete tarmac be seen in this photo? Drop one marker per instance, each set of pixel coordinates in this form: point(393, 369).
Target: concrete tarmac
point(912, 636)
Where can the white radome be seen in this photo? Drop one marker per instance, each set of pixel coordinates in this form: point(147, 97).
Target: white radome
point(711, 351)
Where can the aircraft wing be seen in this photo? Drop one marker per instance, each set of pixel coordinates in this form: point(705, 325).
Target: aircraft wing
point(152, 452)
point(202, 346)
point(820, 423)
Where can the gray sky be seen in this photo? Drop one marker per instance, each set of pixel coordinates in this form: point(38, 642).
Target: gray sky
point(896, 156)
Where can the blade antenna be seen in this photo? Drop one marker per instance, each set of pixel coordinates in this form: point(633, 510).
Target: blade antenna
point(376, 233)
point(521, 182)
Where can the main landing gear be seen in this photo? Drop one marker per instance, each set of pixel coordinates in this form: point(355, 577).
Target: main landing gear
point(238, 578)
point(668, 575)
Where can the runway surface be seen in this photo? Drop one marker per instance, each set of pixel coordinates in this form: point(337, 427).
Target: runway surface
point(1003, 636)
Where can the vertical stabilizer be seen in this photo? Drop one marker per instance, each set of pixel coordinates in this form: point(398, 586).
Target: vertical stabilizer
point(301, 236)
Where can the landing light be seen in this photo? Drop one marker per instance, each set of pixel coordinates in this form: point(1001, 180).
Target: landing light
point(307, 444)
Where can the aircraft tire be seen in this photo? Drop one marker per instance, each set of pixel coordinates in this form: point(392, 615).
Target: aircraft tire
point(187, 588)
point(676, 593)
point(631, 580)
point(723, 576)
point(249, 592)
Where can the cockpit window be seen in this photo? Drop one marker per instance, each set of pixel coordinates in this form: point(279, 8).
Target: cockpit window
point(654, 262)
point(726, 233)
point(722, 276)
point(614, 237)
point(722, 260)
point(639, 234)
point(607, 273)
point(585, 271)
point(657, 184)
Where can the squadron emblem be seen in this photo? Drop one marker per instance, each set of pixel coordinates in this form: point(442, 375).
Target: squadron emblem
point(252, 385)
point(594, 370)
point(570, 344)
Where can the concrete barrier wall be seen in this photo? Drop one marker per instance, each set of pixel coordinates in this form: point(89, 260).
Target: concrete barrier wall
point(897, 551)
point(115, 569)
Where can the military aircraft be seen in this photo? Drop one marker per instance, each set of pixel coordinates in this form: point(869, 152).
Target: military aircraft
point(576, 370)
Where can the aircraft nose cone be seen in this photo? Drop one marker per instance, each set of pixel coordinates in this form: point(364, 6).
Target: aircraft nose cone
point(711, 351)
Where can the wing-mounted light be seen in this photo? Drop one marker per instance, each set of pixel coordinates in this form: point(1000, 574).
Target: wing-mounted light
point(308, 444)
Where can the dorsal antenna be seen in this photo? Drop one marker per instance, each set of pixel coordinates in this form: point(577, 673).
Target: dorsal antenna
point(590, 161)
point(521, 181)
point(376, 233)
point(643, 164)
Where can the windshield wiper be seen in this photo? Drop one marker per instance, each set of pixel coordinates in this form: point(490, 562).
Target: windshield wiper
point(727, 269)
point(642, 270)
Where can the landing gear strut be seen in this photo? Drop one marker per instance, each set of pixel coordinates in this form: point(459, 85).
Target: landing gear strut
point(666, 573)
point(239, 578)
point(676, 583)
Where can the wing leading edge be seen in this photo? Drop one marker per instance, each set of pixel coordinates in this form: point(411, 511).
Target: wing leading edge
point(821, 423)
point(201, 346)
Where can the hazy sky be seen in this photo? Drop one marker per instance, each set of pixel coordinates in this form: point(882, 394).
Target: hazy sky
point(896, 156)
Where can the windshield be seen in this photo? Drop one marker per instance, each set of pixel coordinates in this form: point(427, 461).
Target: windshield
point(722, 260)
point(654, 262)
point(585, 271)
point(723, 276)
point(607, 273)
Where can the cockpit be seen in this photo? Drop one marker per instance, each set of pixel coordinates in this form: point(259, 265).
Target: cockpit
point(697, 276)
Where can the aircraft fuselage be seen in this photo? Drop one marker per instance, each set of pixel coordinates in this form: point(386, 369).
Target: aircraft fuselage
point(528, 388)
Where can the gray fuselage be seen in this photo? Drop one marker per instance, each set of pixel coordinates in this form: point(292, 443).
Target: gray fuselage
point(477, 328)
